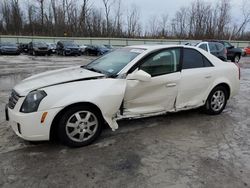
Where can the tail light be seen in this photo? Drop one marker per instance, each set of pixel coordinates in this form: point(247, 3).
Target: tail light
point(237, 64)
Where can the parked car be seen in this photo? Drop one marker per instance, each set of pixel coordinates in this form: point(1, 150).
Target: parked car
point(7, 48)
point(68, 48)
point(131, 82)
point(109, 46)
point(38, 48)
point(52, 48)
point(246, 51)
point(233, 54)
point(96, 50)
point(215, 48)
point(23, 47)
point(83, 47)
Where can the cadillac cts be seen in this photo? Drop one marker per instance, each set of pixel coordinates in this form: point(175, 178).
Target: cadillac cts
point(131, 82)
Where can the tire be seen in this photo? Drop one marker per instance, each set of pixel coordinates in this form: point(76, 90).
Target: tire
point(75, 130)
point(215, 106)
point(63, 53)
point(236, 59)
point(33, 53)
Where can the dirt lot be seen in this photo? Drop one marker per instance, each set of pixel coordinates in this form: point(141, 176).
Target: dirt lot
point(187, 149)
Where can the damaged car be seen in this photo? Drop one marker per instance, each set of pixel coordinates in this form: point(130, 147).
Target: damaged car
point(131, 82)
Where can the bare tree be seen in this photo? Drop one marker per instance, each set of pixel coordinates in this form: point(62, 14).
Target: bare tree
point(107, 8)
point(245, 21)
point(118, 19)
point(223, 18)
point(163, 25)
point(179, 23)
point(153, 26)
point(85, 9)
point(133, 24)
point(41, 4)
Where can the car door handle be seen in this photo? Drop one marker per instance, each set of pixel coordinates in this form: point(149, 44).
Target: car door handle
point(171, 85)
point(208, 76)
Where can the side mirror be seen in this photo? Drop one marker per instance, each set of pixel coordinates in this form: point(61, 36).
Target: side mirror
point(139, 75)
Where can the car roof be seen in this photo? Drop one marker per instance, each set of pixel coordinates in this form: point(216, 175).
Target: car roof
point(156, 47)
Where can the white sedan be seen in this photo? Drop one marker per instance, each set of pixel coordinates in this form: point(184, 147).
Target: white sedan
point(131, 82)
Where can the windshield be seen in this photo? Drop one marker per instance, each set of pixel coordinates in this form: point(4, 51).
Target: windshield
point(52, 45)
point(39, 44)
point(8, 44)
point(114, 62)
point(72, 44)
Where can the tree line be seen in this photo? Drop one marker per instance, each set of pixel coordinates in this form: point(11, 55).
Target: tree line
point(81, 18)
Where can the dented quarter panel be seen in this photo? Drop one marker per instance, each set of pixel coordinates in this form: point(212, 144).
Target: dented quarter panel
point(193, 81)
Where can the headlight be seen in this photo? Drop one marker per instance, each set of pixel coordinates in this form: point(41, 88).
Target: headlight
point(32, 101)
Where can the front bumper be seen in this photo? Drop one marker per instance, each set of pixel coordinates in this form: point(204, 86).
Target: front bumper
point(7, 52)
point(28, 125)
point(72, 52)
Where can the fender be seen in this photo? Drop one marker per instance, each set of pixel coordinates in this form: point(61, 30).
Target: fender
point(107, 94)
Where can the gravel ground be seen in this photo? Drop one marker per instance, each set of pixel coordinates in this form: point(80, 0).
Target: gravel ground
point(186, 149)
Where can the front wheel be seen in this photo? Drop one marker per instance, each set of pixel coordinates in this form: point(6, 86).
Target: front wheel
point(80, 126)
point(236, 59)
point(216, 101)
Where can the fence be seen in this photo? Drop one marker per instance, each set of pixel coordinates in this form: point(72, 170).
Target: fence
point(110, 41)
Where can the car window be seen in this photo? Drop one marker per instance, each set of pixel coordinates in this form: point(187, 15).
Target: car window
point(206, 62)
point(203, 46)
point(194, 59)
point(227, 44)
point(164, 62)
point(219, 46)
point(212, 47)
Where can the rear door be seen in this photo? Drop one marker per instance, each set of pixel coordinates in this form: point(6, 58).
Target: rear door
point(196, 78)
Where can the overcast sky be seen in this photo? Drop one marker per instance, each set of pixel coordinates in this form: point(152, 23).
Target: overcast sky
point(158, 7)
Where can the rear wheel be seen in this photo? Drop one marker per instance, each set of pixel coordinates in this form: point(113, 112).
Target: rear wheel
point(216, 101)
point(80, 126)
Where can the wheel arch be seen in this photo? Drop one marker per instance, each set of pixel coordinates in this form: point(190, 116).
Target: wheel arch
point(54, 125)
point(225, 85)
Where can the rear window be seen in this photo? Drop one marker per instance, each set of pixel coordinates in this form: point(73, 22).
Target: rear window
point(194, 59)
point(219, 46)
point(203, 46)
point(212, 47)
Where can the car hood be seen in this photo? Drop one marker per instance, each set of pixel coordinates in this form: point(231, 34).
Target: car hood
point(55, 77)
point(71, 47)
point(9, 47)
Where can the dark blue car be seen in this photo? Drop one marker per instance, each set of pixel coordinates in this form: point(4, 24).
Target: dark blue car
point(96, 50)
point(7, 48)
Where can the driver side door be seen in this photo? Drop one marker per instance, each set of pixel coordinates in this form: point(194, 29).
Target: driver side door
point(159, 93)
